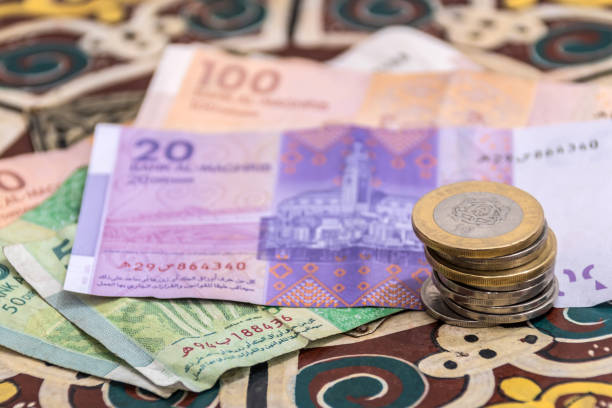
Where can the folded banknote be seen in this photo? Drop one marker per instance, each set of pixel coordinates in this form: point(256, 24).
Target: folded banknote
point(29, 325)
point(198, 88)
point(181, 343)
point(318, 217)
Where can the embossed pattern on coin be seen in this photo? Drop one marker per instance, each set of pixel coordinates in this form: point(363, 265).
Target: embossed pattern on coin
point(478, 214)
point(478, 219)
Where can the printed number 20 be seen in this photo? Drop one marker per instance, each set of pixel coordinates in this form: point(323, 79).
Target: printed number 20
point(175, 151)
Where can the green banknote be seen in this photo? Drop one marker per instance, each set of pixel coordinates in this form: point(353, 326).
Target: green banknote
point(175, 343)
point(29, 325)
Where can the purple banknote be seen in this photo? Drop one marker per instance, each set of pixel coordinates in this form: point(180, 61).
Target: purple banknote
point(318, 217)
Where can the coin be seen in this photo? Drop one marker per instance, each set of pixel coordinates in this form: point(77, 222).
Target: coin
point(491, 280)
point(468, 297)
point(478, 219)
point(476, 292)
point(529, 304)
point(542, 308)
point(514, 260)
point(436, 307)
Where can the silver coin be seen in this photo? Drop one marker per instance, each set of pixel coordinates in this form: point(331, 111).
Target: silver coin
point(499, 262)
point(471, 290)
point(467, 295)
point(530, 304)
point(478, 214)
point(436, 307)
point(491, 318)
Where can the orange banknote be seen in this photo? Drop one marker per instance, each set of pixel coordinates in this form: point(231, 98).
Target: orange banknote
point(27, 180)
point(199, 88)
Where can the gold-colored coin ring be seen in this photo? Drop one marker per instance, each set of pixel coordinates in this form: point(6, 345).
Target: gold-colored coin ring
point(482, 293)
point(494, 279)
point(514, 260)
point(437, 308)
point(488, 298)
point(506, 318)
point(539, 299)
point(427, 230)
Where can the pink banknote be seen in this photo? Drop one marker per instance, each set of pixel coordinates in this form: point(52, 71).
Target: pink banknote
point(29, 179)
point(198, 88)
point(315, 218)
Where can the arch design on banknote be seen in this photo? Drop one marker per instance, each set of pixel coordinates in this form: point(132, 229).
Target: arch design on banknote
point(357, 222)
point(222, 18)
point(40, 66)
point(350, 380)
point(573, 44)
point(374, 14)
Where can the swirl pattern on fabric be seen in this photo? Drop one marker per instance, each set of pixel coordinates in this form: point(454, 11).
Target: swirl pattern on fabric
point(222, 18)
point(41, 66)
point(577, 43)
point(374, 14)
point(352, 381)
point(577, 323)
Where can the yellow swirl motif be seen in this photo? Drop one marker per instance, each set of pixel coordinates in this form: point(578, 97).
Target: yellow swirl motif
point(525, 392)
point(107, 11)
point(519, 4)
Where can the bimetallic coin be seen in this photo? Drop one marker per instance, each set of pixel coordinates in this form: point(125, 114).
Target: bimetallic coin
point(475, 297)
point(501, 262)
point(430, 296)
point(529, 304)
point(478, 219)
point(491, 280)
point(482, 293)
point(510, 317)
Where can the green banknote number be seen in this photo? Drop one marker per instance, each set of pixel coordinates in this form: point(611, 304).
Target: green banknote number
point(4, 272)
point(62, 249)
point(15, 302)
point(7, 288)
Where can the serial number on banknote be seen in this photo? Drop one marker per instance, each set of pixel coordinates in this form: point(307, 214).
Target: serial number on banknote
point(538, 154)
point(275, 323)
point(184, 266)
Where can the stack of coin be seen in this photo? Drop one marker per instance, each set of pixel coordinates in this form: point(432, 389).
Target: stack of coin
point(491, 252)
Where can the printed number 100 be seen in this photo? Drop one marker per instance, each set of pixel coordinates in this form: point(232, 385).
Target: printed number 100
point(232, 76)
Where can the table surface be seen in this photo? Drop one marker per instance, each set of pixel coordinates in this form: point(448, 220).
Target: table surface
point(562, 359)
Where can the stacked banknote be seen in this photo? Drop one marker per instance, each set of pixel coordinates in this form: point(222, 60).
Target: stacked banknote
point(491, 252)
point(260, 204)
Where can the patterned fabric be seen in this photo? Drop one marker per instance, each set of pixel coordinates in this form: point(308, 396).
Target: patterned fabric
point(562, 359)
point(68, 65)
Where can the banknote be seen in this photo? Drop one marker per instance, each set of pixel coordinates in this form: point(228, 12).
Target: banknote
point(189, 342)
point(197, 88)
point(27, 180)
point(29, 325)
point(317, 217)
point(402, 49)
point(562, 166)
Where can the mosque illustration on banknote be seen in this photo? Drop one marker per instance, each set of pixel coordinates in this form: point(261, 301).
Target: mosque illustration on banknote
point(345, 221)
